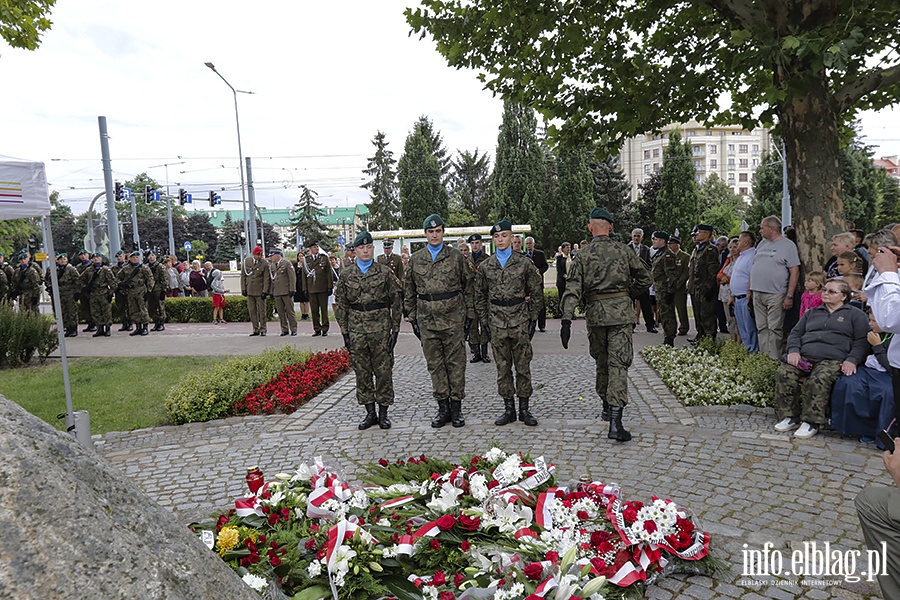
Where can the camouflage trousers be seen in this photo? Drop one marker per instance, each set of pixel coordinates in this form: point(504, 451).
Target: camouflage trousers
point(705, 319)
point(805, 396)
point(156, 306)
point(612, 350)
point(69, 309)
point(29, 301)
point(667, 315)
point(445, 354)
point(101, 311)
point(122, 307)
point(512, 347)
point(137, 308)
point(478, 333)
point(373, 364)
point(84, 307)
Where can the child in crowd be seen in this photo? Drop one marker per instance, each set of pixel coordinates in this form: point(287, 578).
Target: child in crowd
point(855, 281)
point(812, 297)
point(849, 263)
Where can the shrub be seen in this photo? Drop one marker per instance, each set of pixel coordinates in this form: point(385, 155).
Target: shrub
point(199, 310)
point(207, 395)
point(552, 307)
point(23, 334)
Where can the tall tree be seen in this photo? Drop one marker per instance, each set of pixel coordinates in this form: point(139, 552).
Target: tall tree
point(889, 209)
point(420, 174)
point(228, 244)
point(470, 188)
point(198, 227)
point(384, 209)
point(611, 188)
point(645, 207)
point(305, 220)
point(720, 206)
point(766, 191)
point(566, 215)
point(435, 145)
point(810, 65)
point(138, 185)
point(860, 185)
point(519, 173)
point(23, 21)
point(678, 204)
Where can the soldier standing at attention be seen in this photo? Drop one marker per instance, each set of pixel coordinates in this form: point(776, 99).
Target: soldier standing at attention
point(392, 260)
point(69, 285)
point(438, 299)
point(368, 309)
point(606, 276)
point(98, 284)
point(136, 280)
point(156, 297)
point(6, 273)
point(255, 284)
point(26, 283)
point(479, 333)
point(318, 280)
point(284, 285)
point(84, 297)
point(508, 298)
point(682, 260)
point(665, 278)
point(121, 298)
point(349, 256)
point(703, 285)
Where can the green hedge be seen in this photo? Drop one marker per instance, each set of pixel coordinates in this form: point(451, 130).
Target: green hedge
point(211, 394)
point(199, 310)
point(23, 334)
point(551, 304)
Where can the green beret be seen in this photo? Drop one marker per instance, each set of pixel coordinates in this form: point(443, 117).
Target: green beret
point(702, 227)
point(674, 240)
point(96, 255)
point(83, 251)
point(502, 225)
point(22, 255)
point(152, 253)
point(60, 255)
point(602, 213)
point(135, 253)
point(364, 237)
point(120, 253)
point(432, 221)
point(474, 237)
point(660, 235)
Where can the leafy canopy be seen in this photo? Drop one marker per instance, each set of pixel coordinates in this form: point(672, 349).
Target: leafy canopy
point(23, 21)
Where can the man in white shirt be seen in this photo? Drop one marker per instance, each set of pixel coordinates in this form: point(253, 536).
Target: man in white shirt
point(740, 288)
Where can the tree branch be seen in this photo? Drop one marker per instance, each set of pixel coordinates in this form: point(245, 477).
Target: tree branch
point(739, 12)
point(869, 82)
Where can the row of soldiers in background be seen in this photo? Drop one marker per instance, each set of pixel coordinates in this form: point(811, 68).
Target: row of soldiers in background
point(21, 283)
point(275, 277)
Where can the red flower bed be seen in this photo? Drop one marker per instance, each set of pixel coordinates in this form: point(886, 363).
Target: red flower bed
point(295, 385)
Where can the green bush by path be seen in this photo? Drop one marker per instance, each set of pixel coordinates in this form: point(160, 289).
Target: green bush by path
point(105, 387)
point(23, 334)
point(203, 396)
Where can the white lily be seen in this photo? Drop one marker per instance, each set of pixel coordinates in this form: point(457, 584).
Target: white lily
point(447, 499)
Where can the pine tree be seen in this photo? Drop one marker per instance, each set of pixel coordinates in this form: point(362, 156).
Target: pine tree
point(567, 215)
point(435, 146)
point(228, 244)
point(860, 185)
point(678, 205)
point(422, 190)
point(612, 191)
point(645, 207)
point(384, 209)
point(305, 219)
point(766, 191)
point(722, 208)
point(470, 181)
point(519, 179)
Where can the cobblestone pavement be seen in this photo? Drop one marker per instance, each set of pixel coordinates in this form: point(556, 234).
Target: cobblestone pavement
point(746, 484)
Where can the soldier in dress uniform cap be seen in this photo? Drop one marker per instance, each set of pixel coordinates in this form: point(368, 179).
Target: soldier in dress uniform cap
point(702, 284)
point(480, 333)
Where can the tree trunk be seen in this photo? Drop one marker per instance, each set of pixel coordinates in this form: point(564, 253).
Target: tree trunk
point(809, 126)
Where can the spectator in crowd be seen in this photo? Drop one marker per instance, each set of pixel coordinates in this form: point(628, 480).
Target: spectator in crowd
point(857, 297)
point(463, 247)
point(539, 259)
point(740, 288)
point(829, 340)
point(773, 280)
point(301, 296)
point(172, 277)
point(721, 312)
point(217, 289)
point(184, 279)
point(197, 281)
point(518, 244)
point(725, 296)
point(860, 236)
point(682, 260)
point(575, 250)
point(812, 296)
point(842, 242)
point(882, 238)
point(642, 303)
point(562, 265)
point(848, 263)
point(404, 256)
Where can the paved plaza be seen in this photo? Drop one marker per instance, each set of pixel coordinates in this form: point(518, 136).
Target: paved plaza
point(745, 483)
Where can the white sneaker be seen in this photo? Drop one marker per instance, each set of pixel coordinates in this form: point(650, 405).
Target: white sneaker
point(787, 424)
point(806, 431)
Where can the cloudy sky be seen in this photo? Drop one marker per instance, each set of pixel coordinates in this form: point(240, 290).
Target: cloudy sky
point(325, 77)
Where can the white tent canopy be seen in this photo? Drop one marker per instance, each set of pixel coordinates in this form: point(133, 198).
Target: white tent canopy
point(23, 189)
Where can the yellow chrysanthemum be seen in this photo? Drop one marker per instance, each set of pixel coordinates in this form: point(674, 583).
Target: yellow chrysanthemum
point(228, 538)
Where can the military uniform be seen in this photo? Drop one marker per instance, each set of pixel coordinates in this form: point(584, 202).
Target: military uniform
point(26, 285)
point(255, 284)
point(509, 299)
point(682, 262)
point(606, 276)
point(318, 280)
point(121, 297)
point(69, 285)
point(479, 334)
point(156, 295)
point(439, 300)
point(367, 306)
point(97, 286)
point(704, 287)
point(4, 285)
point(136, 280)
point(665, 279)
point(284, 285)
point(394, 262)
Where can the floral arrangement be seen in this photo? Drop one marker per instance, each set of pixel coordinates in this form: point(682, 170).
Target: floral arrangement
point(702, 378)
point(493, 526)
point(295, 385)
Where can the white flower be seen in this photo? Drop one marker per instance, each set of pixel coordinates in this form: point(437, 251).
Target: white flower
point(517, 589)
point(447, 499)
point(510, 470)
point(478, 486)
point(342, 556)
point(254, 581)
point(303, 474)
point(359, 499)
point(507, 517)
point(494, 454)
point(383, 522)
point(339, 579)
point(389, 552)
point(314, 569)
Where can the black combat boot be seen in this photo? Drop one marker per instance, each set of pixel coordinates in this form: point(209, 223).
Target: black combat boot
point(124, 326)
point(476, 353)
point(155, 326)
point(509, 412)
point(383, 421)
point(484, 354)
point(605, 414)
point(616, 431)
point(89, 328)
point(443, 416)
point(137, 330)
point(456, 416)
point(161, 326)
point(371, 417)
point(669, 341)
point(99, 332)
point(524, 414)
point(143, 328)
point(106, 331)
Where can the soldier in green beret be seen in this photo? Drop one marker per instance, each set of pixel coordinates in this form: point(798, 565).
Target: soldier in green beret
point(368, 309)
point(6, 273)
point(156, 295)
point(606, 276)
point(26, 284)
point(665, 279)
point(703, 285)
point(121, 297)
point(479, 333)
point(136, 280)
point(508, 299)
point(97, 285)
point(69, 284)
point(438, 300)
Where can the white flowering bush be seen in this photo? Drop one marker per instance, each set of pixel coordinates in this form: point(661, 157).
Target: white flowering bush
point(700, 376)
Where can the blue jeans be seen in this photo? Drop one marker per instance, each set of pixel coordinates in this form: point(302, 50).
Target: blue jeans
point(746, 325)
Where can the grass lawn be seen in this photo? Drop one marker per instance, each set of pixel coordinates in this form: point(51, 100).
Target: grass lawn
point(120, 394)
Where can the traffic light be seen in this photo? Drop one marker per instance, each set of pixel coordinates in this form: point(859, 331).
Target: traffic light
point(148, 194)
point(212, 199)
point(120, 194)
point(182, 196)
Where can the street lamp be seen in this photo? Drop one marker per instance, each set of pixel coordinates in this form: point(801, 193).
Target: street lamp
point(169, 204)
point(246, 246)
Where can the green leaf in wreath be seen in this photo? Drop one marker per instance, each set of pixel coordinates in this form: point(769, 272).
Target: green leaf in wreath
point(313, 593)
point(402, 588)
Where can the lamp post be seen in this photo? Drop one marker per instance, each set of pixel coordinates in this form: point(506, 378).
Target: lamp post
point(169, 205)
point(246, 247)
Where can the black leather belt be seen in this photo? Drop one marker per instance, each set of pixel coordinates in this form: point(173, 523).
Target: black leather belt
point(514, 302)
point(368, 307)
point(444, 296)
point(740, 296)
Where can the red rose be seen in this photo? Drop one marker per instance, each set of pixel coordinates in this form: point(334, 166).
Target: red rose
point(310, 544)
point(275, 561)
point(551, 556)
point(446, 596)
point(598, 537)
point(250, 546)
point(684, 540)
point(383, 462)
point(469, 523)
point(274, 519)
point(435, 545)
point(650, 526)
point(598, 563)
point(446, 522)
point(262, 539)
point(604, 547)
point(630, 515)
point(685, 525)
point(285, 513)
point(534, 571)
point(320, 554)
point(458, 579)
point(582, 514)
point(494, 483)
point(465, 545)
point(439, 579)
